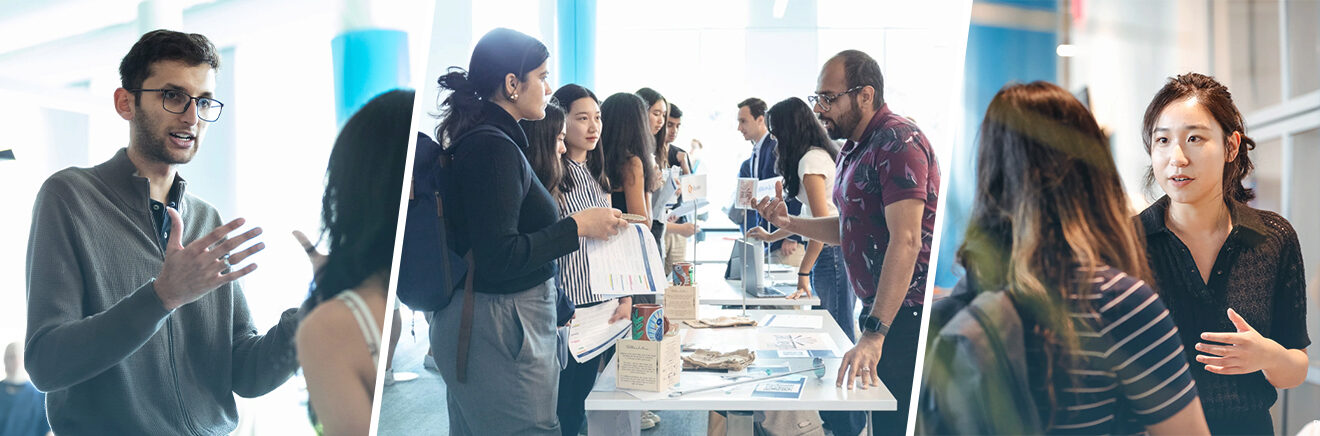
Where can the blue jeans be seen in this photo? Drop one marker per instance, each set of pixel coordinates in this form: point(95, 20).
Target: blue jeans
point(830, 281)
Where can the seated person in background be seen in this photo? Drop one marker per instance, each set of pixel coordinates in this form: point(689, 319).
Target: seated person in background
point(22, 406)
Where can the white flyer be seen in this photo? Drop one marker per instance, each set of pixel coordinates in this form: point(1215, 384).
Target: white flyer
point(628, 263)
point(590, 332)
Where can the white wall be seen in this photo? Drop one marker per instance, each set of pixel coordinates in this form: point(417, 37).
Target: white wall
point(1126, 56)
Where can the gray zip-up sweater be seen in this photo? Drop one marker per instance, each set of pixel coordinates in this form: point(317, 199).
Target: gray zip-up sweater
point(99, 341)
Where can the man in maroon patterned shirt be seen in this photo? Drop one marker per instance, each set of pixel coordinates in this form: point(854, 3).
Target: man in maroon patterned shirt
point(886, 191)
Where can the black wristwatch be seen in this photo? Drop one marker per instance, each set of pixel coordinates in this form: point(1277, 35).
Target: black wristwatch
point(871, 324)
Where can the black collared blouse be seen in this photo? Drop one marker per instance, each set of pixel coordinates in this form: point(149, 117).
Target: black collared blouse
point(1258, 273)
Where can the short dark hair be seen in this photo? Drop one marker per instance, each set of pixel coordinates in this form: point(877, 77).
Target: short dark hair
point(754, 105)
point(164, 45)
point(674, 112)
point(860, 69)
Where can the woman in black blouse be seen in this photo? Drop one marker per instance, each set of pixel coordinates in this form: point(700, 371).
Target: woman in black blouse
point(501, 212)
point(1230, 275)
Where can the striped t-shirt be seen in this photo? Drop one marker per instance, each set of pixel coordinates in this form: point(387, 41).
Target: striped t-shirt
point(574, 276)
point(1131, 371)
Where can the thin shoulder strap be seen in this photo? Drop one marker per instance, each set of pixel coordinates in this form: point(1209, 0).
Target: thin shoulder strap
point(366, 322)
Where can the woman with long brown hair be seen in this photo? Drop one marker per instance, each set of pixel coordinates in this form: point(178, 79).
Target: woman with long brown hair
point(1051, 228)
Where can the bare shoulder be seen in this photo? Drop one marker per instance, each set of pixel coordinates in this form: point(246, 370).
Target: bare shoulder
point(332, 322)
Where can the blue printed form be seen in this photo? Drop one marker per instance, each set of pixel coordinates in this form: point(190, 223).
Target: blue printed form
point(783, 388)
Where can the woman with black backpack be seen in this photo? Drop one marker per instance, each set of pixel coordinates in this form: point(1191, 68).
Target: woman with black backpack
point(503, 379)
point(1051, 229)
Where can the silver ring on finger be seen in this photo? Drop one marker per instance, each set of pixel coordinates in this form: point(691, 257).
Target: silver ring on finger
point(225, 260)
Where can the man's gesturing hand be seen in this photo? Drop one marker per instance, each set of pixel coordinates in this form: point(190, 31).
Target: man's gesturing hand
point(193, 271)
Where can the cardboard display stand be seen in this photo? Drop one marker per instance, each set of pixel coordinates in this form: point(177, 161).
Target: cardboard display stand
point(681, 303)
point(649, 365)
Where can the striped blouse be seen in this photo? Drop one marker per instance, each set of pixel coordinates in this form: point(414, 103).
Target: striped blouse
point(1131, 371)
point(574, 276)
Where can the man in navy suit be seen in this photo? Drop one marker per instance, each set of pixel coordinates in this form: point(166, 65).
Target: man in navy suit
point(761, 166)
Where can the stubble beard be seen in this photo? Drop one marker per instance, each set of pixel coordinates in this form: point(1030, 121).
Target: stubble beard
point(152, 145)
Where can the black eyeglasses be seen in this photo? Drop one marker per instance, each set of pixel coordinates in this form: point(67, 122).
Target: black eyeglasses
point(825, 100)
point(176, 102)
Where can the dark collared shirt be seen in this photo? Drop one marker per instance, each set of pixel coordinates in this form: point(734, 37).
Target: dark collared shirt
point(161, 218)
point(1258, 273)
point(893, 162)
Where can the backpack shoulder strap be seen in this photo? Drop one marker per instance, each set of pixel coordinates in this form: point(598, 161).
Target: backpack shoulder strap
point(465, 321)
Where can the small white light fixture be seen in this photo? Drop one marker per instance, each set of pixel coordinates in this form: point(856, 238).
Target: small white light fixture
point(1067, 50)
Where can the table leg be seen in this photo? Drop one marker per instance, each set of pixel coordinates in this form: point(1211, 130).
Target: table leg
point(869, 430)
point(740, 423)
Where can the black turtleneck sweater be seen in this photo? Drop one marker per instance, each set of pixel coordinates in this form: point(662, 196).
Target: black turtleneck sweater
point(1258, 273)
point(499, 209)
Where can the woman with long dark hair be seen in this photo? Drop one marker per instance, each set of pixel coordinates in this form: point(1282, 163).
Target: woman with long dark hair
point(505, 371)
point(805, 158)
point(629, 143)
point(1051, 227)
point(1231, 275)
point(339, 342)
point(629, 154)
point(582, 187)
point(657, 112)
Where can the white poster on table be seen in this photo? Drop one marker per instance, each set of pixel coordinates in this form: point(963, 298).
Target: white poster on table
point(627, 264)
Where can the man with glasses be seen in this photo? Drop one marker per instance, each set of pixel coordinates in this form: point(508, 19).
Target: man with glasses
point(886, 190)
point(135, 322)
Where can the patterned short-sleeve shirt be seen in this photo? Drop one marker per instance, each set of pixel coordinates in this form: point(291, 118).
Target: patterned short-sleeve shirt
point(893, 162)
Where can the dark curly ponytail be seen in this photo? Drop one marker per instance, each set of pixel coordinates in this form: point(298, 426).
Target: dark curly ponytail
point(499, 53)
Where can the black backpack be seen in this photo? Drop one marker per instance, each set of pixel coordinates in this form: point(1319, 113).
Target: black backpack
point(976, 374)
point(427, 263)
